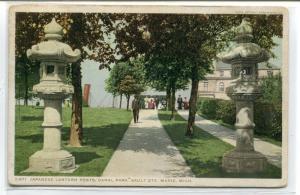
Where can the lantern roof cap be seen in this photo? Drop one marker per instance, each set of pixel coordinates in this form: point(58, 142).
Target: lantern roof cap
point(244, 28)
point(244, 50)
point(53, 30)
point(53, 49)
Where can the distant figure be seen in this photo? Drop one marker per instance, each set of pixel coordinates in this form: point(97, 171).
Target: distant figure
point(163, 103)
point(151, 104)
point(185, 104)
point(135, 108)
point(146, 100)
point(179, 102)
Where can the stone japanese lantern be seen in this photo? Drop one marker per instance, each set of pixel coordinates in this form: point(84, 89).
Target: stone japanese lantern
point(53, 56)
point(244, 57)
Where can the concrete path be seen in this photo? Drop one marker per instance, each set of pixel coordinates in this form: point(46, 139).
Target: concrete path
point(271, 151)
point(147, 151)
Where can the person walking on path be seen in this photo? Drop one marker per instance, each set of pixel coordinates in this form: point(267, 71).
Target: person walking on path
point(185, 104)
point(146, 151)
point(135, 108)
point(179, 102)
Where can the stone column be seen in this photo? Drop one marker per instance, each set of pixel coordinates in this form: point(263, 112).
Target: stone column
point(52, 124)
point(244, 126)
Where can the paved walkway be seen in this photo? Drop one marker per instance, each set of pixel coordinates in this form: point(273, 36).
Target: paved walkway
point(271, 151)
point(147, 151)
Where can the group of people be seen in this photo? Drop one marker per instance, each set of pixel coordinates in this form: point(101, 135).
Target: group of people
point(182, 103)
point(154, 103)
point(151, 103)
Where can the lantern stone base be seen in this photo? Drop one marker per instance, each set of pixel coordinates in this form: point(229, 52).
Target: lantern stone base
point(59, 161)
point(243, 162)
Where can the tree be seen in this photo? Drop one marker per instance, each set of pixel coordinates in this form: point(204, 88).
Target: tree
point(110, 88)
point(26, 76)
point(126, 78)
point(26, 71)
point(192, 40)
point(85, 31)
point(129, 86)
point(170, 78)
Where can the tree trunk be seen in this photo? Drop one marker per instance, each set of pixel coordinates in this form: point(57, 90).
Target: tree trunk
point(192, 107)
point(168, 98)
point(76, 118)
point(128, 98)
point(173, 99)
point(26, 85)
point(113, 101)
point(120, 105)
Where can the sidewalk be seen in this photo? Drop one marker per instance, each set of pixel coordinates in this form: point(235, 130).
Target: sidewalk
point(271, 151)
point(147, 151)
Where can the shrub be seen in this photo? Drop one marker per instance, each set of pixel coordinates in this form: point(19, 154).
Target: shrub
point(267, 116)
point(268, 120)
point(226, 111)
point(208, 107)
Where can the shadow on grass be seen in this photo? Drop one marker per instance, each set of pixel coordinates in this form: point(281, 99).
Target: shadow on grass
point(102, 132)
point(84, 157)
point(204, 152)
point(32, 118)
point(33, 138)
point(108, 135)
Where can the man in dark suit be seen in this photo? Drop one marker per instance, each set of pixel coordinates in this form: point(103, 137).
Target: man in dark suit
point(179, 102)
point(135, 108)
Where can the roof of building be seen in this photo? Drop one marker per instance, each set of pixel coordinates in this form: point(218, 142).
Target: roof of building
point(263, 65)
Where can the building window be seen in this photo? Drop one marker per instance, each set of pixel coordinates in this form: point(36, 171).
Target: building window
point(221, 86)
point(205, 83)
point(221, 73)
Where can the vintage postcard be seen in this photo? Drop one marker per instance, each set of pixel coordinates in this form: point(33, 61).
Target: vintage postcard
point(182, 96)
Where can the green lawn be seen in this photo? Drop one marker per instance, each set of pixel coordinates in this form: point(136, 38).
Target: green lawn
point(229, 126)
point(203, 153)
point(103, 130)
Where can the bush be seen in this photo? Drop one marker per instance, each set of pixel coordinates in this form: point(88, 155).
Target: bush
point(267, 116)
point(268, 120)
point(226, 111)
point(208, 107)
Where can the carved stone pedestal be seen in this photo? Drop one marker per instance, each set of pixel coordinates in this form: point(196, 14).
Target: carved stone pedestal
point(244, 159)
point(243, 162)
point(52, 161)
point(52, 158)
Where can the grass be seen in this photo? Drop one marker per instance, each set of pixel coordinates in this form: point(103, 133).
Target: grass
point(229, 126)
point(203, 153)
point(102, 131)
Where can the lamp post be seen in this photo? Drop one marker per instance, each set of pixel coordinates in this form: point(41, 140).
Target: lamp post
point(54, 56)
point(244, 57)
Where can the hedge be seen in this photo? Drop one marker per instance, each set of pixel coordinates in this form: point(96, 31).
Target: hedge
point(267, 117)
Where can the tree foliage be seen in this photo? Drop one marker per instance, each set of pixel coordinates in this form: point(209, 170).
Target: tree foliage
point(271, 89)
point(191, 41)
point(88, 32)
point(126, 78)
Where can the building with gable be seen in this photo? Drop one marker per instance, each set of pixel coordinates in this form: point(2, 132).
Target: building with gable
point(215, 83)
